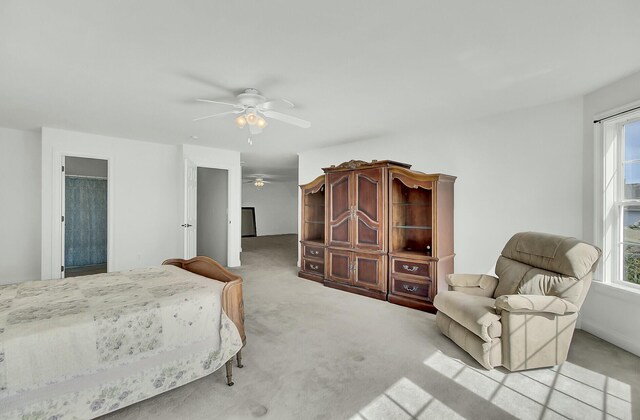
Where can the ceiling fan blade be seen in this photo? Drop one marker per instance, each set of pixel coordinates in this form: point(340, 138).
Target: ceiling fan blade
point(219, 102)
point(275, 102)
point(236, 111)
point(287, 119)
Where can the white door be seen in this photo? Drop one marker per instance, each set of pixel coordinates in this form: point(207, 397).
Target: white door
point(190, 208)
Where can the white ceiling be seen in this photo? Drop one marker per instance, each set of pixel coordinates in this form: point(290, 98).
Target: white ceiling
point(356, 69)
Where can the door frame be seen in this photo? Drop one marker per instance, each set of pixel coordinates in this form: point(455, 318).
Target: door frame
point(195, 227)
point(61, 207)
point(206, 158)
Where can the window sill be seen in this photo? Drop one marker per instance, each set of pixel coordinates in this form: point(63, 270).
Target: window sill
point(618, 291)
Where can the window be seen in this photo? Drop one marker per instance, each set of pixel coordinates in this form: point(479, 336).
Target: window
point(622, 199)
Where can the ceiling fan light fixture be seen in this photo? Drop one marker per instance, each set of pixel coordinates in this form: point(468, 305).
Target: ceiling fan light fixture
point(252, 118)
point(259, 183)
point(241, 121)
point(261, 123)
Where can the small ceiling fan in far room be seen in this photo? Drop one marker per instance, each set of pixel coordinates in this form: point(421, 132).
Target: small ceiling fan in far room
point(251, 107)
point(258, 181)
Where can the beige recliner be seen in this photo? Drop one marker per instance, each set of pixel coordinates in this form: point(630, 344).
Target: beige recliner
point(524, 318)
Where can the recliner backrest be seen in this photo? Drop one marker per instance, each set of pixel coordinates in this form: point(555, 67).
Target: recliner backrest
point(544, 264)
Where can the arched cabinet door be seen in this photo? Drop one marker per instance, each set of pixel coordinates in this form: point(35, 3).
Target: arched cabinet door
point(370, 211)
point(356, 209)
point(339, 189)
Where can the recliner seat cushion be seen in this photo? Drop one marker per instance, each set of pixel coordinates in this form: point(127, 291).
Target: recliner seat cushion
point(475, 313)
point(546, 283)
point(517, 278)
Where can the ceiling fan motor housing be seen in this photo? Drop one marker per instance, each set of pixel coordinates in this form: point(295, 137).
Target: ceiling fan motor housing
point(251, 98)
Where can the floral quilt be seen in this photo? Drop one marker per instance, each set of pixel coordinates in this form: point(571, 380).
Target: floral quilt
point(82, 347)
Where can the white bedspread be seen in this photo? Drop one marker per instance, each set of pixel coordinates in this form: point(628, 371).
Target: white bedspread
point(85, 346)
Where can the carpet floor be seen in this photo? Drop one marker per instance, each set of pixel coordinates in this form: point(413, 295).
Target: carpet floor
point(317, 353)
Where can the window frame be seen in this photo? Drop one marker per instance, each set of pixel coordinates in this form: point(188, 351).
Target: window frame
point(612, 160)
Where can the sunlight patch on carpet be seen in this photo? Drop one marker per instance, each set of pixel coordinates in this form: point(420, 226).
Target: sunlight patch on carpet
point(405, 400)
point(565, 391)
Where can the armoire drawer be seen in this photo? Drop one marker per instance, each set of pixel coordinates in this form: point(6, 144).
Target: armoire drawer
point(311, 266)
point(413, 289)
point(421, 269)
point(313, 252)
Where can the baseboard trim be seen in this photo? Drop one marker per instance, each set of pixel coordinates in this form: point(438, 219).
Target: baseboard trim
point(611, 336)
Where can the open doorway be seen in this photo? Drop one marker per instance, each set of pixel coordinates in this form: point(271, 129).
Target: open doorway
point(212, 213)
point(85, 218)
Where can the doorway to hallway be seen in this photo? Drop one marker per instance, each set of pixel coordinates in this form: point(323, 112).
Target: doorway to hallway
point(85, 216)
point(212, 210)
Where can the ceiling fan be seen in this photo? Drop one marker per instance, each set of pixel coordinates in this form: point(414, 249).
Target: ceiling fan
point(258, 181)
point(251, 106)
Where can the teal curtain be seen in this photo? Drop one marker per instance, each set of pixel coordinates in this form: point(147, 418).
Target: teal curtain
point(85, 237)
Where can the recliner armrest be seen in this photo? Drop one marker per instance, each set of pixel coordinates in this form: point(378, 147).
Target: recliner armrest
point(535, 303)
point(473, 284)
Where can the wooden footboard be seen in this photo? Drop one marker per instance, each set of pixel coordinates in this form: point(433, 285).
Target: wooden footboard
point(232, 302)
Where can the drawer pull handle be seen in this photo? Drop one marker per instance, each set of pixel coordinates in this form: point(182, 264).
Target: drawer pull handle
point(412, 269)
point(314, 252)
point(409, 288)
point(313, 267)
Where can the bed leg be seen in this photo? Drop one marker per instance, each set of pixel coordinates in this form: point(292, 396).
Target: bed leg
point(239, 359)
point(229, 366)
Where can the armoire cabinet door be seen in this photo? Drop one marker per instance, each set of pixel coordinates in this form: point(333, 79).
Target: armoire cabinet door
point(369, 207)
point(370, 271)
point(340, 266)
point(340, 214)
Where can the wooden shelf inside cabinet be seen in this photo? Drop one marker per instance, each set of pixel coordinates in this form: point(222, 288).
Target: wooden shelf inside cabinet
point(412, 227)
point(413, 253)
point(411, 216)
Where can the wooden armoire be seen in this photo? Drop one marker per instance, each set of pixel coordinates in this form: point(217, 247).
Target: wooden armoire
point(379, 229)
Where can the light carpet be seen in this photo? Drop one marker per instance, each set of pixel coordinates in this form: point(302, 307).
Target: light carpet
point(318, 353)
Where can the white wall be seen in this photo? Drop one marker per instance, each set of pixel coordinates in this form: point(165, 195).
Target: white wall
point(19, 205)
point(516, 172)
point(609, 312)
point(276, 207)
point(144, 202)
point(208, 157)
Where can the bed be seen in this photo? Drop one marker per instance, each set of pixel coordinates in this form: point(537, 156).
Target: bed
point(86, 346)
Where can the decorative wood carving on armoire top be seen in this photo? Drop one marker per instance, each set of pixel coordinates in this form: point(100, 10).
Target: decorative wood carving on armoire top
point(388, 231)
